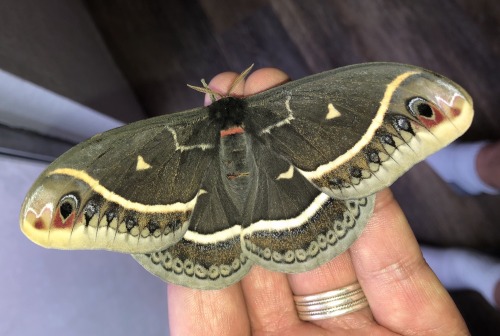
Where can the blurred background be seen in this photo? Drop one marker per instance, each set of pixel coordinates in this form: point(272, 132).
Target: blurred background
point(70, 69)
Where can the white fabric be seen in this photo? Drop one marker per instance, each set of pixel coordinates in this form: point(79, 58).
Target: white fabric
point(28, 106)
point(52, 292)
point(456, 164)
point(464, 269)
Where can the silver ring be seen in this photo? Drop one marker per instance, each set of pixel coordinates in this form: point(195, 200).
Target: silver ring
point(333, 303)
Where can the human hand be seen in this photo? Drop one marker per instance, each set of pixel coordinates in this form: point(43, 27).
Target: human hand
point(404, 295)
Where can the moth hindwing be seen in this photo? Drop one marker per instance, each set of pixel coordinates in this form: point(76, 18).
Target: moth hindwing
point(284, 179)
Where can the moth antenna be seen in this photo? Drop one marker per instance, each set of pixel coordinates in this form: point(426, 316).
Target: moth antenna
point(211, 92)
point(238, 79)
point(198, 88)
point(205, 89)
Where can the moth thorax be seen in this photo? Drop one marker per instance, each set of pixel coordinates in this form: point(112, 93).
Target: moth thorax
point(234, 152)
point(228, 111)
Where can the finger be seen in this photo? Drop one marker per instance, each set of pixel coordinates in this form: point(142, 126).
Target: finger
point(221, 84)
point(335, 274)
point(403, 292)
point(270, 305)
point(263, 79)
point(207, 312)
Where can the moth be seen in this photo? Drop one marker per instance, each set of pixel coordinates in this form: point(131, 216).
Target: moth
point(284, 179)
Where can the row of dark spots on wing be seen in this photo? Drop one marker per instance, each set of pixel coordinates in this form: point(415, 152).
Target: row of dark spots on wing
point(96, 206)
point(371, 154)
point(417, 107)
point(131, 222)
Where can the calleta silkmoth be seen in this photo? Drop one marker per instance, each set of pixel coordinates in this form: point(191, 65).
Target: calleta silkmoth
point(284, 179)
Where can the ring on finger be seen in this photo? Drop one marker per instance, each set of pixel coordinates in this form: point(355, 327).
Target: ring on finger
point(333, 303)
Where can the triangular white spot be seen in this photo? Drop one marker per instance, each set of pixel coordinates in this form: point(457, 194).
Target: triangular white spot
point(141, 164)
point(332, 112)
point(286, 175)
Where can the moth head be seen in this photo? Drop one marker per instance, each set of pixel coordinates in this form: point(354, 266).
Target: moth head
point(50, 210)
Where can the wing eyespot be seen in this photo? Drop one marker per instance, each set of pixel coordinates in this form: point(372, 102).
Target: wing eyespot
point(418, 106)
point(67, 205)
point(66, 209)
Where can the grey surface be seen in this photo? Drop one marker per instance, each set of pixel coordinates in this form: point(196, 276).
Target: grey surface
point(52, 292)
point(55, 44)
point(25, 105)
point(31, 145)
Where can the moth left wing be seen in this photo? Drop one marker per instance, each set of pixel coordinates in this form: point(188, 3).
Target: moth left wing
point(131, 189)
point(289, 224)
point(354, 130)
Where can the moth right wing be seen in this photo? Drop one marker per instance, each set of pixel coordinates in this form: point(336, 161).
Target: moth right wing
point(131, 189)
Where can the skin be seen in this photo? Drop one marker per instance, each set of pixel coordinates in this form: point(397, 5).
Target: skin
point(488, 164)
point(488, 169)
point(405, 296)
